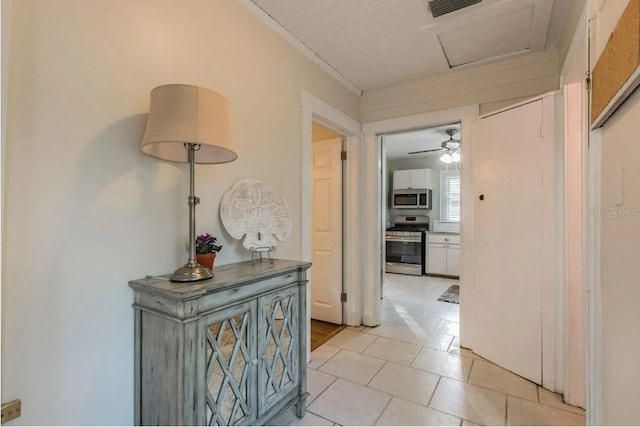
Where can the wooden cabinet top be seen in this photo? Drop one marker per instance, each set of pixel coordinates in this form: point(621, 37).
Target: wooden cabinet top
point(224, 277)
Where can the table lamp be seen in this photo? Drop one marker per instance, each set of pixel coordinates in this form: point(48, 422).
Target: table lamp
point(189, 124)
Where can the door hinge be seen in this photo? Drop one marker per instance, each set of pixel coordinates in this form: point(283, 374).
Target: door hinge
point(343, 155)
point(343, 297)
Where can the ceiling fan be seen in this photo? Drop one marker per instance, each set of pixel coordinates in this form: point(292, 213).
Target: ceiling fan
point(450, 149)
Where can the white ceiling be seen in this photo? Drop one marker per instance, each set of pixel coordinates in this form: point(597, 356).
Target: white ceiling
point(374, 43)
point(399, 145)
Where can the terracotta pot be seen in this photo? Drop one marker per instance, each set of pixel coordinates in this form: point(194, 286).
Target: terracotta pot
point(206, 260)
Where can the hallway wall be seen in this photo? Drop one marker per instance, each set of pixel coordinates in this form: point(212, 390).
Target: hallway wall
point(620, 254)
point(85, 211)
point(493, 86)
point(618, 217)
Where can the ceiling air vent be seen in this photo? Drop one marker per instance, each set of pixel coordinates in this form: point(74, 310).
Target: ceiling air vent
point(442, 7)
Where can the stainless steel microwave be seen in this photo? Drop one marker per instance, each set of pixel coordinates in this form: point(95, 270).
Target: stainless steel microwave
point(412, 199)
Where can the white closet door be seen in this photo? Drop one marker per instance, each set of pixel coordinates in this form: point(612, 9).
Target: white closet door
point(507, 247)
point(326, 244)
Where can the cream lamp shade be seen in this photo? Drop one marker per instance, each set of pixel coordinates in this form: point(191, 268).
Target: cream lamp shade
point(189, 124)
point(184, 114)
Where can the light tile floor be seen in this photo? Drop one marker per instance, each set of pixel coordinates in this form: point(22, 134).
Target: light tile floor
point(411, 370)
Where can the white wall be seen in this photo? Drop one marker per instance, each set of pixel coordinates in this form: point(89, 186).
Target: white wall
point(619, 222)
point(6, 43)
point(614, 375)
point(620, 227)
point(5, 37)
point(606, 19)
point(493, 86)
point(85, 211)
point(574, 23)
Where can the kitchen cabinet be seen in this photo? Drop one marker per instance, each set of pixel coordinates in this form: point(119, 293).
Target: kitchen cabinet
point(412, 179)
point(437, 259)
point(443, 256)
point(452, 260)
point(225, 351)
point(401, 180)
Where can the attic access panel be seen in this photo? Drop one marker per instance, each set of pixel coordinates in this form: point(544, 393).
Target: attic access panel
point(442, 7)
point(498, 36)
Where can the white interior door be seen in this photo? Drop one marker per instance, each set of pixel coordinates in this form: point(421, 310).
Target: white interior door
point(507, 246)
point(326, 245)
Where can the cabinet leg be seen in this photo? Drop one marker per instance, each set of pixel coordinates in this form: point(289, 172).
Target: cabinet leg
point(301, 407)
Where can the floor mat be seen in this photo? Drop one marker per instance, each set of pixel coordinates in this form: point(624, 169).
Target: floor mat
point(451, 295)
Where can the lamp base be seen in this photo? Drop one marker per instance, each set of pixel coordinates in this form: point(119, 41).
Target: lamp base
point(191, 273)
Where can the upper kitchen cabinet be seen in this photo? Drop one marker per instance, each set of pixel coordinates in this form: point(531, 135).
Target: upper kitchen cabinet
point(412, 179)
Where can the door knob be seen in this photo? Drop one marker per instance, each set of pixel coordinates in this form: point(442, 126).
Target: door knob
point(482, 197)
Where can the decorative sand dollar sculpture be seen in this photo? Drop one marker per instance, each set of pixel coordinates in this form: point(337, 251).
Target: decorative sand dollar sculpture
point(255, 210)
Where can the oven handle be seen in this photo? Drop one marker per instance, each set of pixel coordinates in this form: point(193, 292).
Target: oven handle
point(404, 239)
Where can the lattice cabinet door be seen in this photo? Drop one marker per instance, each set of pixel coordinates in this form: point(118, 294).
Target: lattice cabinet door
point(231, 360)
point(278, 335)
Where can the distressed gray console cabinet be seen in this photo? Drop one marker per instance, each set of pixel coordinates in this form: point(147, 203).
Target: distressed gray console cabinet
point(224, 351)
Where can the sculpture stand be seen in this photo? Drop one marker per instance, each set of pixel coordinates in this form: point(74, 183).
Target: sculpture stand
point(259, 251)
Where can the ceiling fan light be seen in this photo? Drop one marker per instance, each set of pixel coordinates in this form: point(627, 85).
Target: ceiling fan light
point(455, 157)
point(446, 158)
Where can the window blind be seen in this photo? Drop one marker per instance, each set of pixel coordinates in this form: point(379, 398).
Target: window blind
point(450, 195)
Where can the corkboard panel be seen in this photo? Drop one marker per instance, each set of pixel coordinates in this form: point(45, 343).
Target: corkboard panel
point(618, 61)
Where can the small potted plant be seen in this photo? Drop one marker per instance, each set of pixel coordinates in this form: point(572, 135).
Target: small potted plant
point(206, 250)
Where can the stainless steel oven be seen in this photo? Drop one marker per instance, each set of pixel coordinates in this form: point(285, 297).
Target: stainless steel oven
point(405, 245)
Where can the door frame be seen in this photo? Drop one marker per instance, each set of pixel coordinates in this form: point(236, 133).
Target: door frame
point(316, 110)
point(372, 235)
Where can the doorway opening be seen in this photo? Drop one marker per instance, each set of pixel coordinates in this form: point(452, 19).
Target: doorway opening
point(327, 231)
point(374, 132)
point(420, 198)
point(314, 110)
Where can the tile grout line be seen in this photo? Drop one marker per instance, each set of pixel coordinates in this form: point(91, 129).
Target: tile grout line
point(367, 347)
point(376, 374)
point(322, 392)
point(513, 395)
point(383, 409)
point(436, 327)
point(554, 407)
point(506, 409)
point(473, 361)
point(451, 343)
point(325, 362)
point(320, 416)
point(413, 359)
point(434, 392)
point(372, 389)
point(440, 410)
